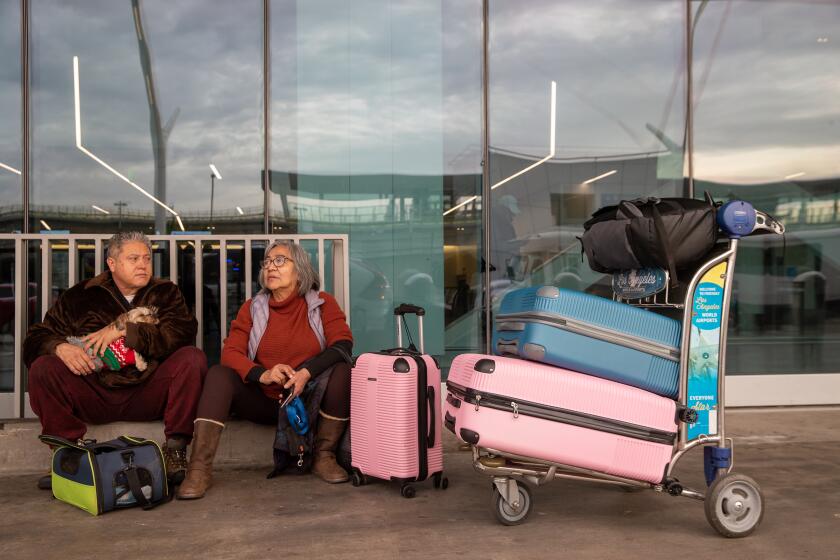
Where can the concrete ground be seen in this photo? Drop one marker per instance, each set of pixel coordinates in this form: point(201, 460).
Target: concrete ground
point(793, 453)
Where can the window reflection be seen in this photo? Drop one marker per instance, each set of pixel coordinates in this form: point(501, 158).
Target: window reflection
point(375, 125)
point(11, 203)
point(618, 127)
point(766, 105)
point(165, 90)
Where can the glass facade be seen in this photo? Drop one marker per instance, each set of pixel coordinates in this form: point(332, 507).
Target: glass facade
point(766, 110)
point(369, 138)
point(11, 200)
point(375, 128)
point(617, 99)
point(164, 91)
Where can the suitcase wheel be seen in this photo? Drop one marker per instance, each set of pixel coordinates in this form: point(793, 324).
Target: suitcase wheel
point(440, 481)
point(510, 514)
point(358, 479)
point(407, 491)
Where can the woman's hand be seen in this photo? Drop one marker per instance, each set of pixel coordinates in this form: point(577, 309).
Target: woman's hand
point(100, 340)
point(298, 380)
point(279, 374)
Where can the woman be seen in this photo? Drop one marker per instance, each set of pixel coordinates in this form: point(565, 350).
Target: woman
point(288, 334)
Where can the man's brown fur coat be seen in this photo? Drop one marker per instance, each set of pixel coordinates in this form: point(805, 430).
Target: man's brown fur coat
point(93, 304)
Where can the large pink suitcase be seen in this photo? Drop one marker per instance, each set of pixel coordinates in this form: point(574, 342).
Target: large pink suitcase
point(552, 414)
point(395, 414)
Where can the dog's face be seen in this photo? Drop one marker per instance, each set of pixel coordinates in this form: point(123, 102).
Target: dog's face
point(142, 315)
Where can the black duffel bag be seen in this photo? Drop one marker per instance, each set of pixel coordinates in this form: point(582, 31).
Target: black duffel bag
point(668, 233)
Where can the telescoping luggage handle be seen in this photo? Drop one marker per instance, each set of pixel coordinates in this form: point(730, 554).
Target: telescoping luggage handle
point(426, 402)
point(408, 309)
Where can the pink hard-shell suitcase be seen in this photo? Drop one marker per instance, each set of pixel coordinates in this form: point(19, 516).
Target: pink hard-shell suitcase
point(552, 414)
point(395, 414)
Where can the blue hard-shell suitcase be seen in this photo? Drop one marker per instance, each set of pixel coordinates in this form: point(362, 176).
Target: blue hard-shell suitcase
point(592, 335)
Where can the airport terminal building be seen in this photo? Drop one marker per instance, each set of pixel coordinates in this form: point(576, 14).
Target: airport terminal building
point(437, 153)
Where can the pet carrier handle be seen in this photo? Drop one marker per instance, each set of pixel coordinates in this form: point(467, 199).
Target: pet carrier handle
point(56, 441)
point(430, 398)
point(407, 308)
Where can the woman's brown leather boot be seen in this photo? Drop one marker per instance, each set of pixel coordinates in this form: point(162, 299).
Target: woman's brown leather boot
point(200, 470)
point(330, 430)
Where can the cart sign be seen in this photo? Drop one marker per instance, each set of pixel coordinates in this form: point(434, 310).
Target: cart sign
point(706, 316)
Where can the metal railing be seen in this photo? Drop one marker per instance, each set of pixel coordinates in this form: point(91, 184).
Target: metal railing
point(167, 250)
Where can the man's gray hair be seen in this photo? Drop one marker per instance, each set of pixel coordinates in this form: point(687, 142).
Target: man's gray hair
point(308, 278)
point(115, 244)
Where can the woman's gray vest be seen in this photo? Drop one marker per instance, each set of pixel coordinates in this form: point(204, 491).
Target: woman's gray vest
point(259, 320)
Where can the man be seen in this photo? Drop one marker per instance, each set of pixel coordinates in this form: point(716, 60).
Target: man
point(65, 391)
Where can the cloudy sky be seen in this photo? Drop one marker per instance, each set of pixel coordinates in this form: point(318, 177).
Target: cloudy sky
point(394, 87)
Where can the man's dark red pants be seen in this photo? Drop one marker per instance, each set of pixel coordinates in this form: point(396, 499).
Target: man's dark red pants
point(66, 402)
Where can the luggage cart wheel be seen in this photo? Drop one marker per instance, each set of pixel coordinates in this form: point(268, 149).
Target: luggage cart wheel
point(734, 505)
point(506, 513)
point(407, 491)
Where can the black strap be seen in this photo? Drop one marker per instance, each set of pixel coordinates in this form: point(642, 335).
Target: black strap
point(408, 335)
point(422, 418)
point(629, 209)
point(136, 491)
point(665, 244)
point(430, 396)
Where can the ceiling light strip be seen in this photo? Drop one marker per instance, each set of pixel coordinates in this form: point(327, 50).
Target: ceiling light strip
point(12, 169)
point(78, 112)
point(599, 177)
point(552, 140)
point(470, 199)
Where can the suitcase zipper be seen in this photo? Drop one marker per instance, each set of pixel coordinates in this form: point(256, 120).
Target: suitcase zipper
point(556, 414)
point(601, 333)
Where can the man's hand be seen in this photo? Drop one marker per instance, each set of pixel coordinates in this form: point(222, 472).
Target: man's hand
point(75, 358)
point(100, 340)
point(278, 374)
point(298, 380)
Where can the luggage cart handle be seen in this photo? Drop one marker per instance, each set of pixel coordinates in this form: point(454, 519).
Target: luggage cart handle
point(407, 308)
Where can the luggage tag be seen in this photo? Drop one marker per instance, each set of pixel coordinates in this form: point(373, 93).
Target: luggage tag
point(639, 283)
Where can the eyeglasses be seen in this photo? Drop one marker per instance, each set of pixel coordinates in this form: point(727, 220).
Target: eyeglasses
point(277, 261)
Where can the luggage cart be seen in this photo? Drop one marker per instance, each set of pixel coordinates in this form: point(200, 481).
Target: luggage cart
point(734, 503)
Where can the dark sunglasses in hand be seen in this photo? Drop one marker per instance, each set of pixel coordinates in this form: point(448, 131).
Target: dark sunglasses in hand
point(278, 261)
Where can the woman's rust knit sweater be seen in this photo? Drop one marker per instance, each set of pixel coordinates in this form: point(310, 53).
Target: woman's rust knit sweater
point(288, 338)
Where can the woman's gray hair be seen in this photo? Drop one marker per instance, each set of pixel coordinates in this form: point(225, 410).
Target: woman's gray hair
point(308, 278)
point(115, 244)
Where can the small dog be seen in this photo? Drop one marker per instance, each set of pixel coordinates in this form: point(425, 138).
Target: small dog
point(137, 315)
point(118, 354)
